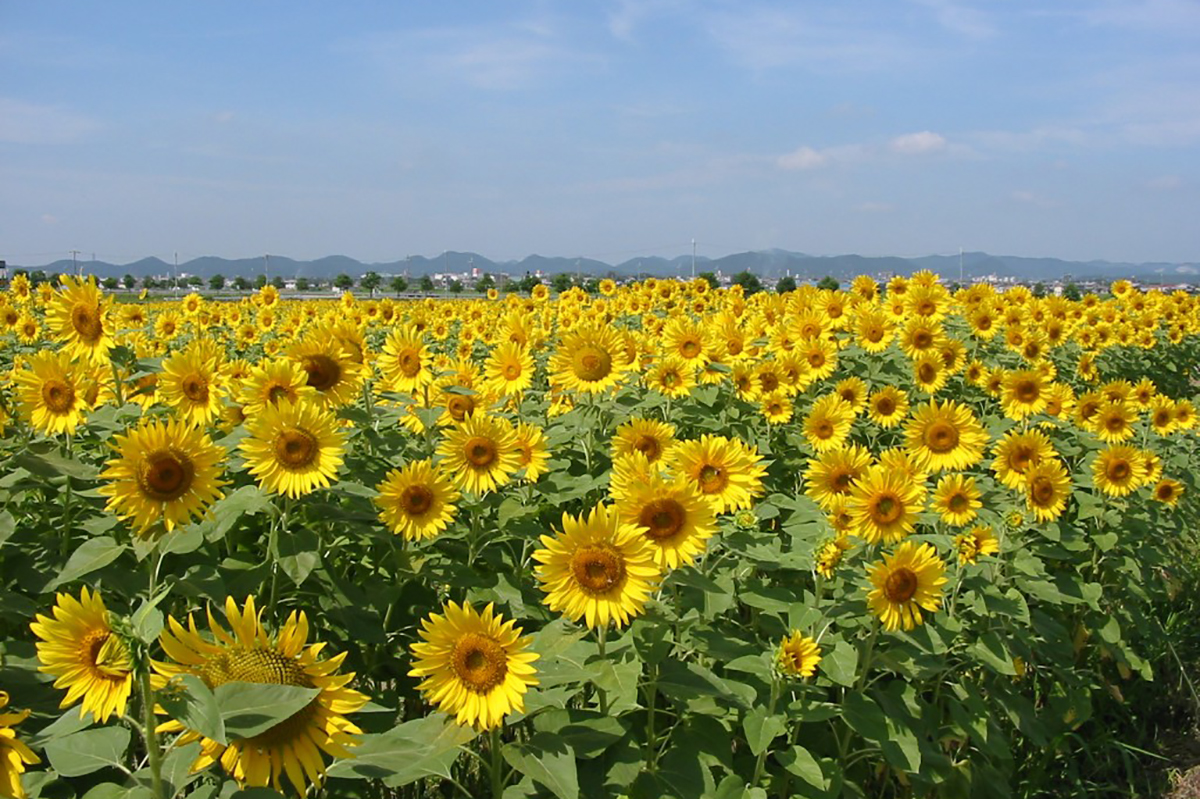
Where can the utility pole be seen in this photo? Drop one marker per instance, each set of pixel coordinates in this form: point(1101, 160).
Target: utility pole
point(176, 273)
point(75, 262)
point(693, 259)
point(267, 267)
point(960, 266)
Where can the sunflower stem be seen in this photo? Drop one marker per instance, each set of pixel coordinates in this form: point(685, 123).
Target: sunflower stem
point(760, 764)
point(496, 770)
point(651, 732)
point(149, 733)
point(602, 694)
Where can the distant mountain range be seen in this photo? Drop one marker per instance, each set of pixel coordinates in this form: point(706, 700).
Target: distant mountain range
point(767, 264)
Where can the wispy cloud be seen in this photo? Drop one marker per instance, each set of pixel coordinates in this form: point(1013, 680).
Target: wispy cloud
point(918, 143)
point(960, 18)
point(1165, 183)
point(924, 142)
point(1177, 17)
point(33, 123)
point(803, 158)
point(1032, 198)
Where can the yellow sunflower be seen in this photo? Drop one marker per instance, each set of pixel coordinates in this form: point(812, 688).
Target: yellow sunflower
point(417, 501)
point(1017, 452)
point(192, 384)
point(1118, 470)
point(406, 363)
point(978, 541)
point(647, 436)
point(905, 583)
point(887, 407)
point(589, 358)
point(1047, 488)
point(166, 471)
point(833, 473)
point(829, 555)
point(946, 435)
point(51, 393)
point(509, 369)
point(727, 471)
point(956, 498)
point(598, 568)
point(671, 377)
point(273, 381)
point(79, 647)
point(332, 373)
point(776, 407)
point(884, 505)
point(248, 653)
point(1023, 393)
point(1114, 421)
point(293, 449)
point(474, 666)
point(798, 655)
point(532, 455)
point(14, 754)
point(78, 317)
point(673, 515)
point(481, 453)
point(828, 423)
point(1168, 492)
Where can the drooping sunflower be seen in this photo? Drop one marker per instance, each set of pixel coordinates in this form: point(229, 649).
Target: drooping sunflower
point(884, 505)
point(887, 407)
point(975, 542)
point(828, 423)
point(474, 666)
point(417, 501)
point(1118, 470)
point(532, 455)
point(834, 472)
point(293, 449)
point(78, 317)
point(798, 655)
point(905, 583)
point(673, 515)
point(650, 437)
point(1047, 488)
point(332, 373)
point(168, 471)
point(192, 384)
point(589, 358)
point(956, 498)
point(248, 653)
point(51, 393)
point(946, 435)
point(14, 754)
point(598, 568)
point(725, 470)
point(79, 647)
point(481, 453)
point(509, 369)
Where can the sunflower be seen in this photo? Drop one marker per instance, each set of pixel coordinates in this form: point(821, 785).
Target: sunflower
point(945, 435)
point(1162, 415)
point(854, 391)
point(671, 377)
point(1168, 492)
point(192, 384)
point(271, 382)
point(406, 363)
point(829, 556)
point(685, 339)
point(293, 449)
point(509, 369)
point(828, 423)
point(51, 393)
point(725, 470)
point(979, 540)
point(630, 470)
point(475, 666)
point(1047, 488)
point(884, 505)
point(166, 471)
point(79, 647)
point(672, 514)
point(589, 358)
point(598, 568)
point(1017, 452)
point(481, 453)
point(1114, 421)
point(647, 436)
point(77, 316)
point(417, 501)
point(1118, 470)
point(833, 473)
point(821, 355)
point(531, 450)
point(14, 754)
point(1023, 393)
point(798, 655)
point(873, 330)
point(887, 407)
point(905, 583)
point(776, 407)
point(332, 373)
point(248, 653)
point(929, 372)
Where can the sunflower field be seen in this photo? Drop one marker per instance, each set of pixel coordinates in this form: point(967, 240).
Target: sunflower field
point(664, 540)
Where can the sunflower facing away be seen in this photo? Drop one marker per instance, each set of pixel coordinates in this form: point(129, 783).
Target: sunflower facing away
point(480, 454)
point(51, 393)
point(798, 655)
point(247, 653)
point(293, 449)
point(14, 754)
point(79, 647)
point(78, 316)
point(905, 583)
point(675, 517)
point(726, 471)
point(417, 501)
point(164, 471)
point(474, 666)
point(598, 568)
point(947, 435)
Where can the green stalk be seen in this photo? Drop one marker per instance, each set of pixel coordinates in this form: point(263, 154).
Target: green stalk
point(497, 776)
point(761, 763)
point(651, 732)
point(149, 733)
point(600, 692)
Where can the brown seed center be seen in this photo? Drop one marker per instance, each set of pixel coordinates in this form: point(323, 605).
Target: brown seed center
point(597, 568)
point(58, 396)
point(663, 518)
point(479, 662)
point(480, 452)
point(416, 500)
point(941, 437)
point(165, 475)
point(901, 585)
point(296, 448)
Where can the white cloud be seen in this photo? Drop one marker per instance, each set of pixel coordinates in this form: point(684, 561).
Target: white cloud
point(803, 158)
point(1179, 17)
point(30, 123)
point(49, 219)
point(918, 143)
point(960, 19)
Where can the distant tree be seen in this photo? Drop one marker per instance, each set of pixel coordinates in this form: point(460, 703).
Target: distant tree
point(1039, 289)
point(240, 283)
point(343, 281)
point(426, 283)
point(111, 283)
point(748, 281)
point(592, 285)
point(484, 283)
point(1072, 292)
point(302, 284)
point(216, 282)
point(829, 283)
point(130, 281)
point(456, 287)
point(398, 284)
point(278, 282)
point(370, 281)
point(38, 276)
point(713, 283)
point(195, 281)
point(260, 281)
point(527, 283)
point(786, 283)
point(560, 282)
point(149, 282)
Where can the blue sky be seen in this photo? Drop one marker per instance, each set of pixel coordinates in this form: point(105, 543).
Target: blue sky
point(600, 129)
